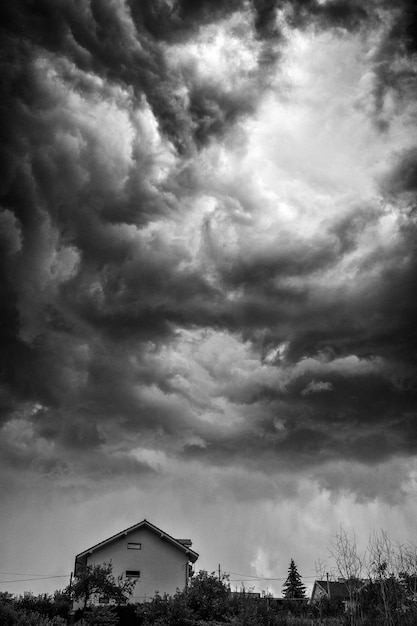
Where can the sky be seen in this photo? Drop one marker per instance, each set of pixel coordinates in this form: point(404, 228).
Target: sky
point(208, 270)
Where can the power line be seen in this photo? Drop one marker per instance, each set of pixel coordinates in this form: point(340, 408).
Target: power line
point(252, 580)
point(249, 577)
point(26, 574)
point(22, 580)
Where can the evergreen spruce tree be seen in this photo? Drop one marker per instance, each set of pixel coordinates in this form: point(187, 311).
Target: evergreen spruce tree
point(293, 587)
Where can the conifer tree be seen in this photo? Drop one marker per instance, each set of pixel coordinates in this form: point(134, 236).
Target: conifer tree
point(293, 587)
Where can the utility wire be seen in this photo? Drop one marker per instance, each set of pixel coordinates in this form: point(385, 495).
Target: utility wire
point(26, 574)
point(22, 580)
point(251, 580)
point(248, 577)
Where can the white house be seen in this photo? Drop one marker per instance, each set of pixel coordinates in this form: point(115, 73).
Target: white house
point(155, 560)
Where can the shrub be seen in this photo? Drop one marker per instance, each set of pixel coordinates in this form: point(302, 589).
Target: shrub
point(101, 616)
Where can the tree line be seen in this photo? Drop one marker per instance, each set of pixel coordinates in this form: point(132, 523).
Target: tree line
point(207, 601)
point(381, 584)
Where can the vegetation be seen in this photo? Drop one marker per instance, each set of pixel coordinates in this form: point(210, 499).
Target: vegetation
point(381, 580)
point(293, 587)
point(42, 610)
point(98, 580)
point(381, 585)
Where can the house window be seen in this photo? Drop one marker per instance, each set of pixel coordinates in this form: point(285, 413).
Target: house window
point(132, 573)
point(134, 546)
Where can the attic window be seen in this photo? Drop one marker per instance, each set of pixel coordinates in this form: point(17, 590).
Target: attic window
point(134, 546)
point(132, 573)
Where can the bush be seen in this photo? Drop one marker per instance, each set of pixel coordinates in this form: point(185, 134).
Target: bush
point(208, 598)
point(101, 616)
point(32, 611)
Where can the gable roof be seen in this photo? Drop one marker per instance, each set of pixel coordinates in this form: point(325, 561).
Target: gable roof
point(181, 544)
point(334, 590)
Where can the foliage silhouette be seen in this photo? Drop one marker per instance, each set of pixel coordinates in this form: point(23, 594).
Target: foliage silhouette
point(293, 587)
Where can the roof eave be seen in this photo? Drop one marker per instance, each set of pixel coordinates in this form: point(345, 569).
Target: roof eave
point(193, 556)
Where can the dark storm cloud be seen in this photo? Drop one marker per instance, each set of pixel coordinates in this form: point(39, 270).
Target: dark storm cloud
point(337, 13)
point(403, 176)
point(387, 482)
point(124, 43)
point(394, 79)
point(362, 318)
point(107, 256)
point(328, 411)
point(404, 29)
point(174, 21)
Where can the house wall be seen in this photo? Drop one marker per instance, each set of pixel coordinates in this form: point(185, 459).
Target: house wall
point(318, 594)
point(163, 567)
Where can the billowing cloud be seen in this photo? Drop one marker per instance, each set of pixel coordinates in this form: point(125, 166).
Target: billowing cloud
point(208, 249)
